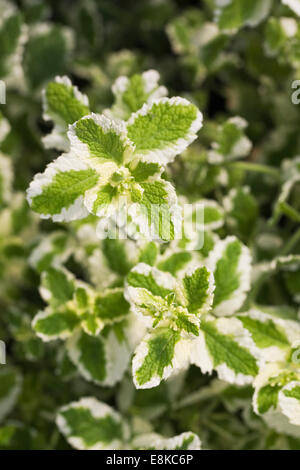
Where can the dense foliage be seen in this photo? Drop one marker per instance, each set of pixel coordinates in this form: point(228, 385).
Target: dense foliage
point(132, 341)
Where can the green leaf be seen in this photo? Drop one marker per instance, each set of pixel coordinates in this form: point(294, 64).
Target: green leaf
point(101, 359)
point(90, 424)
point(187, 323)
point(164, 129)
point(230, 142)
point(57, 286)
point(53, 249)
point(111, 306)
point(11, 38)
point(47, 54)
point(143, 170)
point(293, 392)
point(117, 254)
point(50, 325)
point(235, 363)
point(233, 14)
point(148, 254)
point(241, 212)
point(97, 137)
point(198, 290)
point(155, 357)
point(174, 262)
point(230, 263)
point(59, 191)
point(132, 93)
point(182, 31)
point(63, 104)
point(264, 331)
point(267, 398)
point(145, 277)
point(156, 210)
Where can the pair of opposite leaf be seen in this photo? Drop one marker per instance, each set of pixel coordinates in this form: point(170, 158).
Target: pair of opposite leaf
point(99, 328)
point(190, 317)
point(111, 162)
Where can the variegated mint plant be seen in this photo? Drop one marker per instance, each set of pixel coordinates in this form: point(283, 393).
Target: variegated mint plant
point(149, 225)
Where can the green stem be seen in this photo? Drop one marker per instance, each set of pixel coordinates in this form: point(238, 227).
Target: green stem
point(291, 243)
point(258, 168)
point(290, 212)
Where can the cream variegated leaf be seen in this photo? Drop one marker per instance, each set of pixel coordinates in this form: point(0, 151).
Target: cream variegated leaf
point(226, 346)
point(52, 250)
point(13, 35)
point(89, 424)
point(59, 192)
point(152, 441)
point(274, 336)
point(55, 324)
point(103, 358)
point(163, 129)
point(160, 354)
point(230, 263)
point(231, 141)
point(276, 399)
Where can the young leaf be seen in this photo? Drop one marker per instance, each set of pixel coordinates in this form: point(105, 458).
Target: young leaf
point(132, 93)
point(196, 290)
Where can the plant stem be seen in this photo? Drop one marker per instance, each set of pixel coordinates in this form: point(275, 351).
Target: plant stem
point(258, 168)
point(291, 243)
